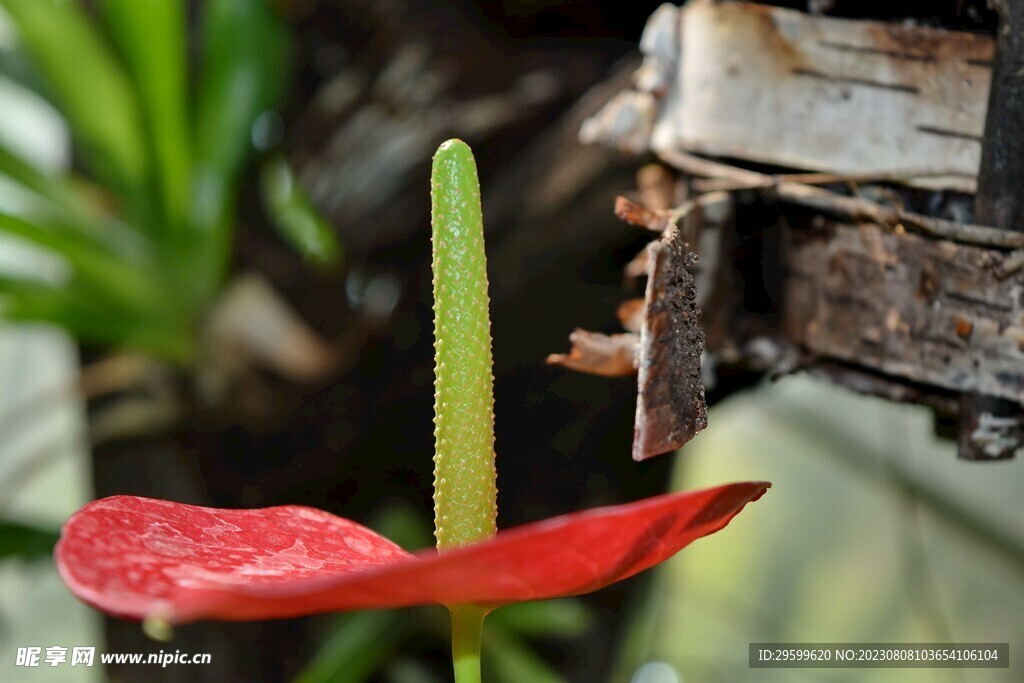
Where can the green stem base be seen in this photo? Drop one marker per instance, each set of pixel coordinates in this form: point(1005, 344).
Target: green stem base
point(467, 628)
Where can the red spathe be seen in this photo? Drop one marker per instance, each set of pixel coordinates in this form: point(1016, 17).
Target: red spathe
point(139, 557)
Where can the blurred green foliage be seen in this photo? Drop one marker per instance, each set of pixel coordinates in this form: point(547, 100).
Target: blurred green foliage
point(873, 531)
point(295, 218)
point(25, 541)
point(146, 229)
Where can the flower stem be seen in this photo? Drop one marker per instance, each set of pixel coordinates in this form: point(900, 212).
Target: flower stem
point(467, 628)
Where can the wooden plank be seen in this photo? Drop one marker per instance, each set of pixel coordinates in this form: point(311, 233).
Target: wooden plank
point(782, 87)
point(929, 311)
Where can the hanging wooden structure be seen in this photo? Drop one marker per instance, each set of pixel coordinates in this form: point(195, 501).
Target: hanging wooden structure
point(856, 256)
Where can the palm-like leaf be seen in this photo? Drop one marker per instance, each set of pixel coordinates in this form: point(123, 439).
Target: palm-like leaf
point(147, 239)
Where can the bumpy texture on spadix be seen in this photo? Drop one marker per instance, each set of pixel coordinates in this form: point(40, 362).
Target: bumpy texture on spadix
point(139, 558)
point(465, 506)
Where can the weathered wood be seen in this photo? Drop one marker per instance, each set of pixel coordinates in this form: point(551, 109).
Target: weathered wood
point(875, 384)
point(855, 208)
point(791, 89)
point(669, 351)
point(876, 308)
point(665, 355)
point(879, 298)
point(991, 428)
point(1000, 198)
point(932, 312)
point(670, 406)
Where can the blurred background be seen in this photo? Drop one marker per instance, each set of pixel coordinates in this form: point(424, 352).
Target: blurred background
point(214, 267)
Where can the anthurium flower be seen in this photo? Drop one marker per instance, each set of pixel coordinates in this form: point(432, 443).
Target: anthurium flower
point(144, 558)
point(139, 557)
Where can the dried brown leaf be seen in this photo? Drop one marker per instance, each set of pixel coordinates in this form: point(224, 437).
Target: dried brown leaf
point(657, 186)
point(631, 314)
point(639, 215)
point(599, 354)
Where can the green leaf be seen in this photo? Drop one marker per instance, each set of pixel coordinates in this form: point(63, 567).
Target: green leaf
point(89, 86)
point(511, 662)
point(358, 646)
point(26, 541)
point(121, 282)
point(565, 618)
point(409, 670)
point(241, 73)
point(244, 56)
point(17, 284)
point(56, 200)
point(82, 318)
point(293, 215)
point(51, 188)
point(151, 37)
